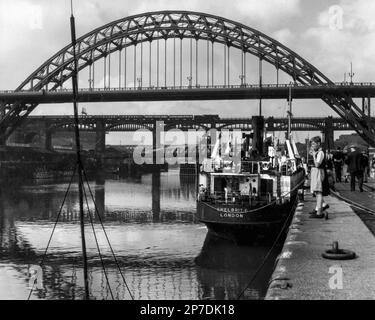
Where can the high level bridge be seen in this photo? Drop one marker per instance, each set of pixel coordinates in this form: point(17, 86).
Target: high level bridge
point(182, 55)
point(47, 125)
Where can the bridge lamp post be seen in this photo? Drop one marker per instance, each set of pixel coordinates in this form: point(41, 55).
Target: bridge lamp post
point(242, 77)
point(139, 83)
point(189, 78)
point(351, 74)
point(91, 83)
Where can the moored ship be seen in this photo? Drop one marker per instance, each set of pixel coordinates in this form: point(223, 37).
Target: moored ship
point(251, 199)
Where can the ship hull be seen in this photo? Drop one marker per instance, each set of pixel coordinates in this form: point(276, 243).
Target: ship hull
point(256, 225)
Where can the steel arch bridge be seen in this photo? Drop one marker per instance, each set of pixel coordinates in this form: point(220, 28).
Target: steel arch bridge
point(136, 30)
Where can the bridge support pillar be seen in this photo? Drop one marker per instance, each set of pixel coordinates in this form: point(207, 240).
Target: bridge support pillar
point(271, 124)
point(100, 143)
point(369, 106)
point(154, 143)
point(212, 139)
point(48, 137)
point(155, 191)
point(328, 134)
point(100, 198)
point(48, 140)
point(158, 151)
point(2, 114)
point(257, 123)
point(366, 106)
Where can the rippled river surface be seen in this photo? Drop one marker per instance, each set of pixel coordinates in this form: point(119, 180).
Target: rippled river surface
point(163, 252)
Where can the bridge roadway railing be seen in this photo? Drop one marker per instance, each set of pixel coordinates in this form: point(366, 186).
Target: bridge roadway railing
point(199, 118)
point(192, 87)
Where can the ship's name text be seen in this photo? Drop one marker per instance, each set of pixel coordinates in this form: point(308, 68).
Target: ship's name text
point(231, 215)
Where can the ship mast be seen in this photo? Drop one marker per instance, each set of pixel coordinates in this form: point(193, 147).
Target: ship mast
point(78, 152)
point(289, 135)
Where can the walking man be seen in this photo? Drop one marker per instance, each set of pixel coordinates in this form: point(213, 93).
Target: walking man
point(338, 161)
point(366, 165)
point(355, 167)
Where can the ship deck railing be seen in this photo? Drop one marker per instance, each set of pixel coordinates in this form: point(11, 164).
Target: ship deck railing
point(247, 166)
point(235, 199)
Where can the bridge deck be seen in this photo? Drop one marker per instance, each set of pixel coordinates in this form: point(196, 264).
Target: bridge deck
point(219, 92)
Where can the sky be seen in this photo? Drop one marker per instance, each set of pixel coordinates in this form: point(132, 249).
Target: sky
point(329, 34)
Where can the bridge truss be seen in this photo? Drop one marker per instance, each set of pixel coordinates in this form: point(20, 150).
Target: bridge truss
point(136, 31)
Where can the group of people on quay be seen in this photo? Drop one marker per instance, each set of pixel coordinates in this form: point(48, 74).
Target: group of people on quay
point(336, 166)
point(350, 162)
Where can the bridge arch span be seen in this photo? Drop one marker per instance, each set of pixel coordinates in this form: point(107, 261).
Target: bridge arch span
point(133, 30)
point(128, 127)
point(147, 27)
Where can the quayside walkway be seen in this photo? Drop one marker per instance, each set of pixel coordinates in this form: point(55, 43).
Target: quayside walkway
point(301, 273)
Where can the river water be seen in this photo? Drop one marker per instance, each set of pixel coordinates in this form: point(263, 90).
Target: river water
point(163, 252)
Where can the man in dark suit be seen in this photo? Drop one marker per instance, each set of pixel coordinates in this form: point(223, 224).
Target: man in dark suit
point(366, 165)
point(355, 167)
point(338, 161)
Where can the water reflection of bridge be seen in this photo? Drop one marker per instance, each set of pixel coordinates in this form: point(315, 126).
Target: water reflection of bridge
point(164, 277)
point(156, 278)
point(42, 201)
point(162, 186)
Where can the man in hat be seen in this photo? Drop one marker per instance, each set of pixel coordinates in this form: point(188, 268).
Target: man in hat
point(366, 165)
point(338, 161)
point(355, 167)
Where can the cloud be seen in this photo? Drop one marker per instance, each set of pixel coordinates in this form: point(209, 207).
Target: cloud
point(335, 48)
point(267, 12)
point(30, 34)
point(284, 36)
point(25, 45)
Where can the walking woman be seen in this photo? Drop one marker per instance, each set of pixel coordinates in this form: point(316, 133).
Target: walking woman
point(319, 181)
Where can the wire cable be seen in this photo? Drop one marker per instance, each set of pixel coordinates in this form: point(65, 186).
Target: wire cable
point(73, 278)
point(105, 233)
point(97, 243)
point(54, 227)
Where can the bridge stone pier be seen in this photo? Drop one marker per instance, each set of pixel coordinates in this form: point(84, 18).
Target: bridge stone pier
point(155, 192)
point(48, 136)
point(258, 132)
point(3, 138)
point(328, 134)
point(157, 152)
point(100, 199)
point(100, 142)
point(366, 105)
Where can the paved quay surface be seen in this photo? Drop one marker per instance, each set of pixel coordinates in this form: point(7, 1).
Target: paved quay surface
point(366, 198)
point(302, 273)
